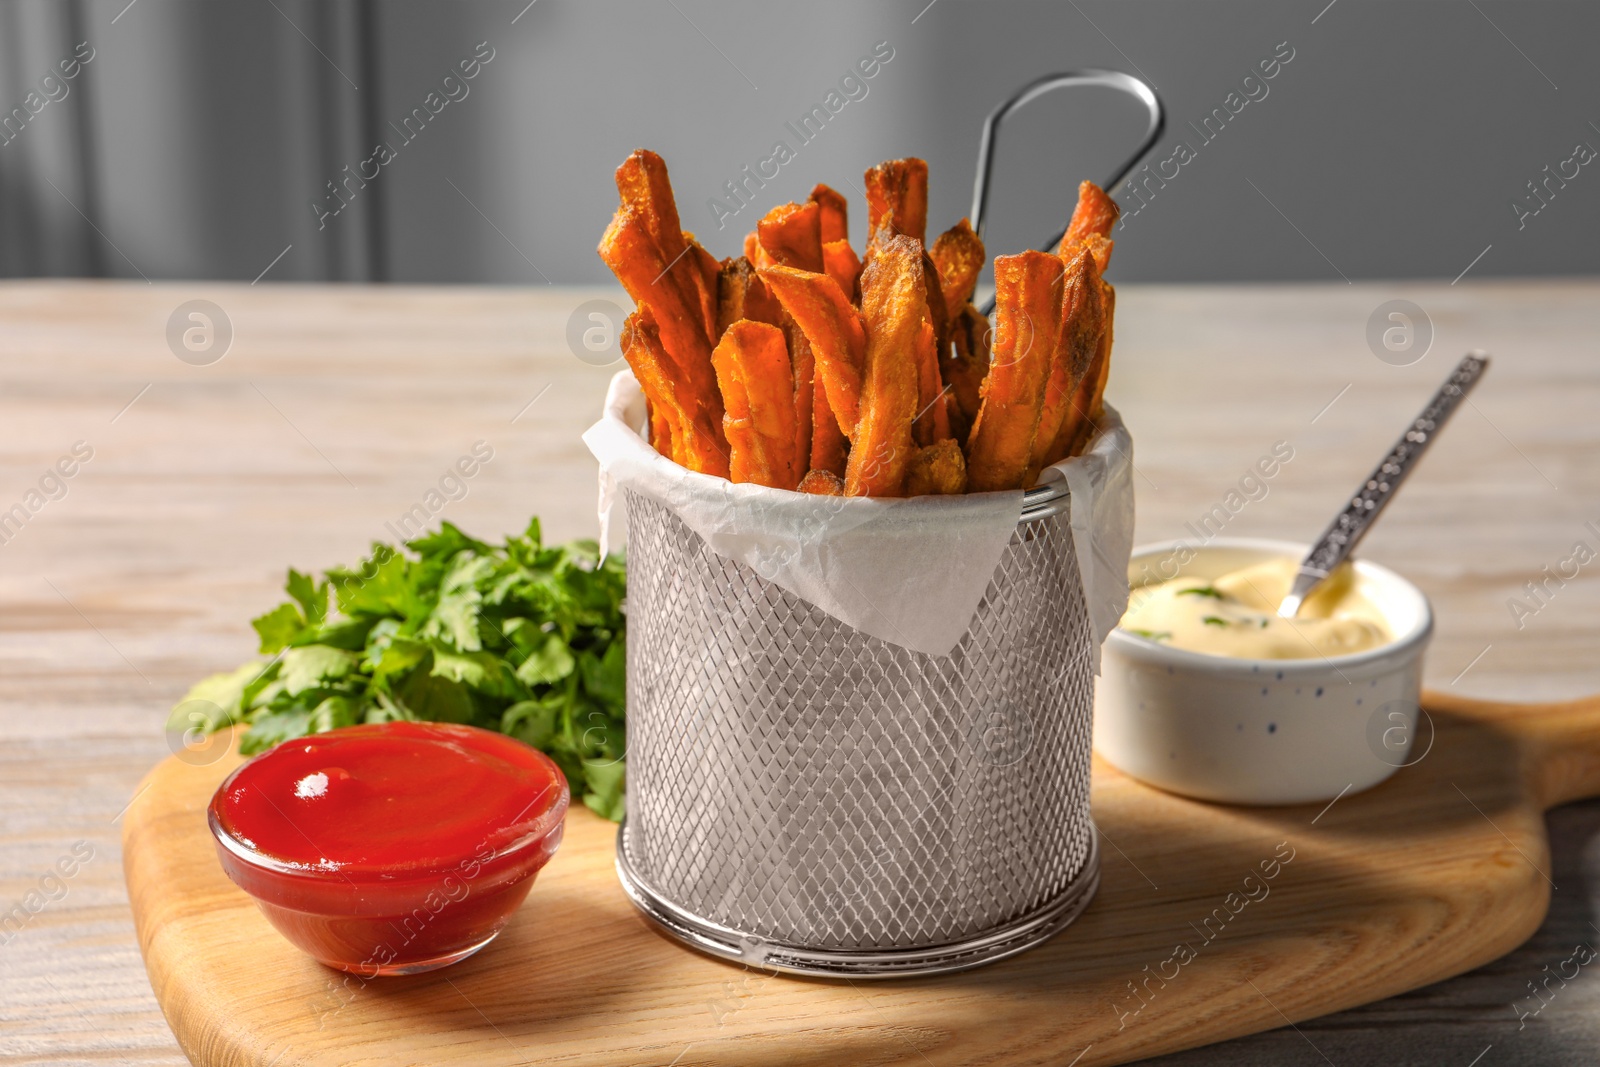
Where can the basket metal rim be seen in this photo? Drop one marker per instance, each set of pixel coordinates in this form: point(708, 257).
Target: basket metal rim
point(997, 943)
point(1045, 500)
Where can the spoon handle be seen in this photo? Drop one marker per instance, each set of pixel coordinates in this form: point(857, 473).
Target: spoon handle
point(1351, 524)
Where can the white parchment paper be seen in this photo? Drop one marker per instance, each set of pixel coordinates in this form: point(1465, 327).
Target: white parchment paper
point(910, 572)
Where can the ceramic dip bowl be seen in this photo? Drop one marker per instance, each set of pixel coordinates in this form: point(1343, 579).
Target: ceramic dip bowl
point(1261, 731)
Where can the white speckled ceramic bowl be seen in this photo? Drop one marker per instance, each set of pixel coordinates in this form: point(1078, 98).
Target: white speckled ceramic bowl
point(1261, 731)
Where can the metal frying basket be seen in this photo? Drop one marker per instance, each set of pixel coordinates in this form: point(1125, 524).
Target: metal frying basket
point(804, 797)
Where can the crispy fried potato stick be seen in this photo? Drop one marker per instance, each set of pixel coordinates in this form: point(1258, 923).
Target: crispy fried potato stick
point(1072, 357)
point(791, 235)
point(646, 192)
point(822, 483)
point(1102, 356)
point(938, 470)
point(1095, 213)
point(835, 331)
point(803, 391)
point(1027, 321)
point(893, 303)
point(835, 213)
point(1089, 402)
point(752, 249)
point(757, 384)
point(673, 294)
point(897, 194)
point(668, 273)
point(681, 429)
point(662, 437)
point(1100, 248)
point(966, 369)
point(938, 312)
point(933, 419)
point(960, 425)
point(741, 294)
point(840, 262)
point(959, 256)
point(706, 270)
point(643, 185)
point(1091, 224)
point(828, 448)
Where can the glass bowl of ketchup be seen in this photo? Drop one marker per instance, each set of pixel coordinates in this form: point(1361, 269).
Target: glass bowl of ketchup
point(393, 848)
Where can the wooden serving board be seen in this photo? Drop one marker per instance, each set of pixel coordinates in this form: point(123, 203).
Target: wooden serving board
point(1440, 869)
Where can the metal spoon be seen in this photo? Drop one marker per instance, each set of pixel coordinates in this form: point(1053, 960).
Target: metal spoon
point(1352, 524)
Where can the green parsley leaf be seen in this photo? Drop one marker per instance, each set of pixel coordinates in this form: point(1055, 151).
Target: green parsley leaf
point(606, 781)
point(274, 728)
point(521, 637)
point(550, 662)
point(278, 627)
point(309, 667)
point(1202, 590)
point(215, 702)
point(312, 598)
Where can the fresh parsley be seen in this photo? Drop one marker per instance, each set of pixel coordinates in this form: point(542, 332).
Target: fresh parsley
point(1202, 590)
point(518, 637)
point(1214, 620)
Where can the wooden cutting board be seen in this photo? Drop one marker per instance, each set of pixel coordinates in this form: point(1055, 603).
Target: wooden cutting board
point(1440, 869)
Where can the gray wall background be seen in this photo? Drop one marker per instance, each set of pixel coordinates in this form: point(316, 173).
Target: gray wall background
point(195, 141)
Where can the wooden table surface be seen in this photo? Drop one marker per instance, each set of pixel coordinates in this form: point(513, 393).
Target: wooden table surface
point(337, 409)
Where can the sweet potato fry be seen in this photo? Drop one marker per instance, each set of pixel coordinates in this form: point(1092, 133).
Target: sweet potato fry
point(643, 185)
point(706, 270)
point(645, 190)
point(682, 429)
point(937, 470)
point(835, 331)
point(752, 246)
point(840, 262)
point(938, 313)
point(643, 268)
point(662, 437)
point(674, 297)
point(1082, 324)
point(1102, 355)
point(834, 214)
point(1089, 401)
point(959, 256)
point(933, 420)
point(897, 195)
point(822, 483)
point(753, 371)
point(893, 304)
point(1100, 248)
point(1027, 321)
point(741, 294)
point(960, 425)
point(1095, 213)
point(828, 448)
point(803, 391)
point(967, 364)
point(791, 235)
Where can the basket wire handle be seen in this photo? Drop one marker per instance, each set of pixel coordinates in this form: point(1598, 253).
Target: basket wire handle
point(1109, 79)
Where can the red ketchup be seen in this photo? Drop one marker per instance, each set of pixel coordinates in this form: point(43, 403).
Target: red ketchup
point(393, 848)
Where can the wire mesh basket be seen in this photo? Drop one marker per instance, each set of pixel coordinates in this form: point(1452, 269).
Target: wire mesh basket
point(807, 798)
point(804, 797)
